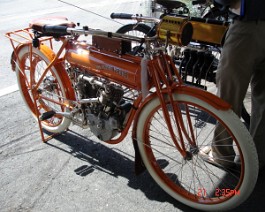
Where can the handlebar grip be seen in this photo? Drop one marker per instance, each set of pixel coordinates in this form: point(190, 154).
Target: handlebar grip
point(60, 30)
point(198, 2)
point(121, 16)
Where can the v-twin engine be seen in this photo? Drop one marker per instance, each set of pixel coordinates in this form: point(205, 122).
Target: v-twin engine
point(102, 106)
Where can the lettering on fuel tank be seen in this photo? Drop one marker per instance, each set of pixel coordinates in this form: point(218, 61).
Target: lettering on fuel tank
point(113, 69)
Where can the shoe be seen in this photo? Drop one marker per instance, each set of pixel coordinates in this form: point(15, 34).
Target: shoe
point(223, 162)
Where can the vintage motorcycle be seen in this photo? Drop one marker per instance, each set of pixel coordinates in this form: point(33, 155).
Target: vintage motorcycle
point(97, 83)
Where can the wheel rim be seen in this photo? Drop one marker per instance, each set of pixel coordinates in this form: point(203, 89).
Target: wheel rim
point(136, 33)
point(135, 30)
point(195, 180)
point(51, 87)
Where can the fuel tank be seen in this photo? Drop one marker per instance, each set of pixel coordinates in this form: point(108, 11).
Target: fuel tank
point(124, 69)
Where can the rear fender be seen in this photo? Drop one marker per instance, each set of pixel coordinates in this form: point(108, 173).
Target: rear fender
point(43, 48)
point(59, 66)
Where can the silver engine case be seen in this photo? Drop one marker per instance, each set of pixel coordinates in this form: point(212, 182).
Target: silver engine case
point(104, 129)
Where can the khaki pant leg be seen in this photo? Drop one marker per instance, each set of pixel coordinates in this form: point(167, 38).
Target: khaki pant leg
point(233, 76)
point(257, 122)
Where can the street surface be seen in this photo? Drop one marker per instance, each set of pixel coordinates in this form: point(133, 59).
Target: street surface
point(74, 171)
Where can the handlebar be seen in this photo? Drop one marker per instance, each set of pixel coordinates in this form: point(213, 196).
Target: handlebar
point(51, 30)
point(121, 16)
point(57, 31)
point(136, 17)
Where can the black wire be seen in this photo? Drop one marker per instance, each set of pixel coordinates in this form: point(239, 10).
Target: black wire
point(90, 12)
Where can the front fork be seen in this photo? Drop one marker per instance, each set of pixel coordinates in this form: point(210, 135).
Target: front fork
point(165, 84)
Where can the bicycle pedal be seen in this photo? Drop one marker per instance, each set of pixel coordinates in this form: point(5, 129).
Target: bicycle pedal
point(47, 115)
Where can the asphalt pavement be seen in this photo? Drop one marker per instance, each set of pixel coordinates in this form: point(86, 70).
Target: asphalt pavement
point(72, 172)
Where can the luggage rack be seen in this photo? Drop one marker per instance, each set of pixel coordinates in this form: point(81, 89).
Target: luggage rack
point(25, 36)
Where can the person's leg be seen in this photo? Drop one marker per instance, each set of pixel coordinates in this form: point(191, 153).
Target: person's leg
point(233, 76)
point(257, 122)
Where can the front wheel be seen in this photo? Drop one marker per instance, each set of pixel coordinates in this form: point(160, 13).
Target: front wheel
point(51, 93)
point(195, 181)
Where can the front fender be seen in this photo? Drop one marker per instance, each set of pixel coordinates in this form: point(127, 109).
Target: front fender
point(208, 97)
point(211, 99)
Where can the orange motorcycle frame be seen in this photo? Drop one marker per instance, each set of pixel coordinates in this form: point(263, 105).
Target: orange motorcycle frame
point(162, 76)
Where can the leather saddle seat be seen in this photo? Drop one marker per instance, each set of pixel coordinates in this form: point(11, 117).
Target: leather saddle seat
point(37, 24)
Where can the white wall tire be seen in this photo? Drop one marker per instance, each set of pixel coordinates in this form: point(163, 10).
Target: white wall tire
point(248, 171)
point(39, 60)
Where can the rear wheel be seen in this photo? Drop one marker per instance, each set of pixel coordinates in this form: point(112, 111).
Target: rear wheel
point(138, 30)
point(194, 181)
point(217, 14)
point(51, 93)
